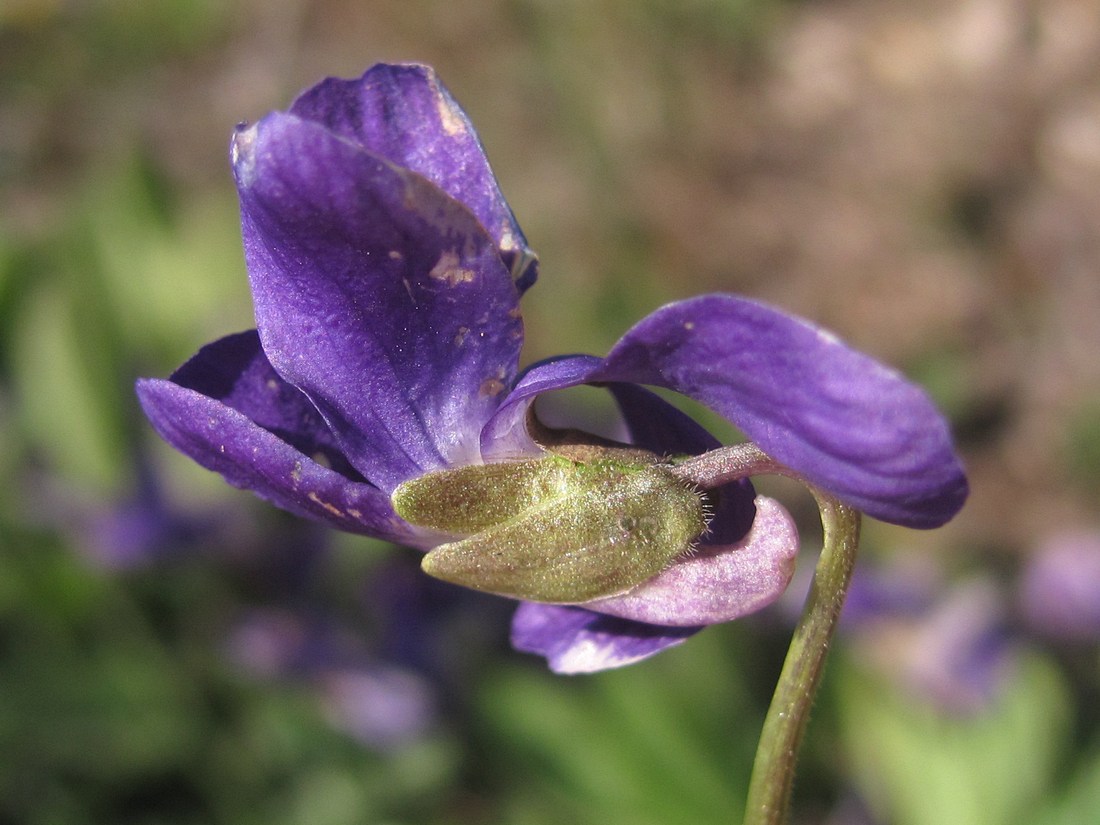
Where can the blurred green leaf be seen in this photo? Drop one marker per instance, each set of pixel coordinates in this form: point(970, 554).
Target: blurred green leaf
point(68, 407)
point(917, 765)
point(669, 741)
point(173, 274)
point(1082, 445)
point(1080, 801)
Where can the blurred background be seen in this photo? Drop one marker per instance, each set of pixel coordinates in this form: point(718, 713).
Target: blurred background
point(922, 177)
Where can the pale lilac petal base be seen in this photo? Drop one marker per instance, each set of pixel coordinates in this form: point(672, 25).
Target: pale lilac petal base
point(575, 640)
point(718, 584)
point(505, 435)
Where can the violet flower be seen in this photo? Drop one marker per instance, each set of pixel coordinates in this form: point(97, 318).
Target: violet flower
point(381, 703)
point(951, 646)
point(1060, 587)
point(387, 269)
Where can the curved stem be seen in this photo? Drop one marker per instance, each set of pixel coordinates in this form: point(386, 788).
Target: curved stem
point(773, 771)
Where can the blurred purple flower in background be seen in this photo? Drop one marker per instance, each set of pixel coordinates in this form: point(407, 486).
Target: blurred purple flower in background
point(951, 645)
point(386, 270)
point(384, 671)
point(380, 703)
point(144, 526)
point(1060, 587)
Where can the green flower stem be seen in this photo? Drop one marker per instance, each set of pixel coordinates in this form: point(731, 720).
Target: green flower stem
point(773, 771)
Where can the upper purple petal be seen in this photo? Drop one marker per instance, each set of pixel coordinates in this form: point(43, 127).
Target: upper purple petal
point(575, 640)
point(839, 418)
point(405, 114)
point(379, 296)
point(206, 411)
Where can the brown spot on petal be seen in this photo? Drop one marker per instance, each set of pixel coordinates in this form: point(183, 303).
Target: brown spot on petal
point(447, 269)
point(336, 511)
point(491, 387)
point(460, 336)
point(449, 119)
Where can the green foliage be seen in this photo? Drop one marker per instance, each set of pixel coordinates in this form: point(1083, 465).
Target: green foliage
point(666, 742)
point(920, 765)
point(118, 707)
point(1079, 801)
point(1082, 446)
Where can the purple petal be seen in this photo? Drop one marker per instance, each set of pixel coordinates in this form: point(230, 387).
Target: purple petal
point(962, 652)
point(377, 295)
point(659, 427)
point(505, 435)
point(834, 415)
point(235, 371)
point(717, 584)
point(381, 705)
point(575, 640)
point(405, 114)
point(903, 589)
point(226, 441)
point(144, 527)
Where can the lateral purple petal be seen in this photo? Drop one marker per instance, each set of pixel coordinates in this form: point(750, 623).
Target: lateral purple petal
point(377, 295)
point(838, 417)
point(575, 640)
point(226, 441)
point(717, 584)
point(235, 371)
point(405, 114)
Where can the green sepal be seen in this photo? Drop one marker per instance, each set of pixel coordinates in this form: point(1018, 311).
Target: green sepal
point(472, 498)
point(555, 529)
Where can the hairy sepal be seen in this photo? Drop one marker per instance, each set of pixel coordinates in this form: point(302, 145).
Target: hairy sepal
point(557, 529)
